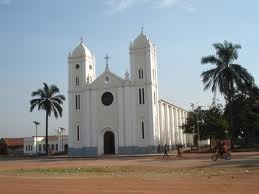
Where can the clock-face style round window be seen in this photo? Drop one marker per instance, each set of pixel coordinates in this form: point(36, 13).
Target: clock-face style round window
point(107, 98)
point(77, 66)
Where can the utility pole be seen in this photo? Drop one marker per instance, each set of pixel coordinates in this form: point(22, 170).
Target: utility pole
point(62, 136)
point(198, 130)
point(36, 125)
point(198, 126)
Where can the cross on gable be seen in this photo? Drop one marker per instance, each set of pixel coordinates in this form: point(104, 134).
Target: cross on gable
point(107, 59)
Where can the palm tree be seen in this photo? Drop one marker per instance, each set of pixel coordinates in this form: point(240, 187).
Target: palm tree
point(46, 99)
point(227, 76)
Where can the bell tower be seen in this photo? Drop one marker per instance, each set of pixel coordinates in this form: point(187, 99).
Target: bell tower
point(143, 69)
point(81, 73)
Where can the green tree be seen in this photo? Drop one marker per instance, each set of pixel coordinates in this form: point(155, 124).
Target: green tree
point(227, 76)
point(49, 100)
point(210, 123)
point(245, 115)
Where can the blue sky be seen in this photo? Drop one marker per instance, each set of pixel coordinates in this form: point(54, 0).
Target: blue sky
point(37, 35)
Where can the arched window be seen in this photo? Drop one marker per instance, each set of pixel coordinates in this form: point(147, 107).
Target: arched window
point(141, 96)
point(77, 132)
point(142, 130)
point(77, 100)
point(140, 73)
point(77, 81)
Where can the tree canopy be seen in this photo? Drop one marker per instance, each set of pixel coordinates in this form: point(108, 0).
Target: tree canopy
point(49, 100)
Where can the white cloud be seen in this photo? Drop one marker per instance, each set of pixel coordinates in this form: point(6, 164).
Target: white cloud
point(167, 3)
point(121, 5)
point(5, 2)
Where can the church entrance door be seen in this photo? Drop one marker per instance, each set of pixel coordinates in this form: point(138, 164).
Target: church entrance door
point(109, 147)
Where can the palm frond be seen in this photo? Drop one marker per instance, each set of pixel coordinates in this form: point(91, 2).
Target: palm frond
point(46, 89)
point(53, 89)
point(58, 107)
point(210, 59)
point(39, 93)
point(225, 77)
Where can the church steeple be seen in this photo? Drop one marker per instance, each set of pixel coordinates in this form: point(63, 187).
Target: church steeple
point(143, 59)
point(81, 64)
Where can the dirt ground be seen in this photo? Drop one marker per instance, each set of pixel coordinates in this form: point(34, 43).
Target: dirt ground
point(192, 174)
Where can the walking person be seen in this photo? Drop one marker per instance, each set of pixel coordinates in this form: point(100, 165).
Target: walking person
point(165, 152)
point(179, 151)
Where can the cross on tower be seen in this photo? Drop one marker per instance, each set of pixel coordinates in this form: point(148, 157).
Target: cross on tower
point(107, 59)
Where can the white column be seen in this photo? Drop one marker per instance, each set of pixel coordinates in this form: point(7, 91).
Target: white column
point(163, 134)
point(87, 119)
point(181, 123)
point(176, 126)
point(93, 119)
point(184, 135)
point(121, 117)
point(160, 123)
point(127, 119)
point(168, 140)
point(171, 116)
point(134, 103)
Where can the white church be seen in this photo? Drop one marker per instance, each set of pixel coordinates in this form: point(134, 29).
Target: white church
point(109, 114)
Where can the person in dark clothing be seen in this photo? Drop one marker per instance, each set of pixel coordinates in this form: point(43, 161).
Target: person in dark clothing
point(179, 151)
point(158, 148)
point(220, 149)
point(165, 151)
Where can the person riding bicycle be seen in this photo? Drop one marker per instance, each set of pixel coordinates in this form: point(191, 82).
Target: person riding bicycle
point(220, 149)
point(225, 148)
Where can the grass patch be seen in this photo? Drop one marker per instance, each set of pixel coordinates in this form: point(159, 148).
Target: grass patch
point(132, 171)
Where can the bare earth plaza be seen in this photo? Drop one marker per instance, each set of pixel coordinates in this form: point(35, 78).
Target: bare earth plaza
point(194, 173)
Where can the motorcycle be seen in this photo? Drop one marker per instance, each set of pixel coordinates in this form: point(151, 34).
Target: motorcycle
point(226, 156)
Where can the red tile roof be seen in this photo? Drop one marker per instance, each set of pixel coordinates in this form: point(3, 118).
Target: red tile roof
point(13, 141)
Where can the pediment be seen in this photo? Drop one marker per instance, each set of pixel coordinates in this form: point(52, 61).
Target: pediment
point(106, 80)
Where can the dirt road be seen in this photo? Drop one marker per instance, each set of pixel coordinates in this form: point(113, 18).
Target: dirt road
point(194, 174)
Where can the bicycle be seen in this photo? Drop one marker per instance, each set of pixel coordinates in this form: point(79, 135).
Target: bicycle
point(226, 156)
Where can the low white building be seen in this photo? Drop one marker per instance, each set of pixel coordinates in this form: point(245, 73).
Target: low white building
point(57, 144)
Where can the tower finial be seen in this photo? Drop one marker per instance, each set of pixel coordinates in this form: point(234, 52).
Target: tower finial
point(142, 29)
point(107, 61)
point(81, 39)
point(127, 75)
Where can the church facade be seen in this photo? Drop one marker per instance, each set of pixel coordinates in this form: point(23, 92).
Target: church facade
point(113, 115)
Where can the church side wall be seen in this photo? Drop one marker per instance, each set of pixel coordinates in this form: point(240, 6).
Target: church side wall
point(171, 119)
